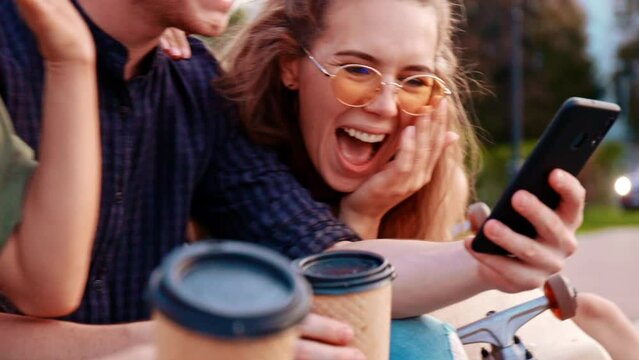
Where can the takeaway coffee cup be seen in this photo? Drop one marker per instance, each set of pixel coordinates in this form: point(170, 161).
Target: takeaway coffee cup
point(227, 300)
point(354, 287)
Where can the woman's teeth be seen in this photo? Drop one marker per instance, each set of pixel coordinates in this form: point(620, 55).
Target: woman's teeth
point(365, 137)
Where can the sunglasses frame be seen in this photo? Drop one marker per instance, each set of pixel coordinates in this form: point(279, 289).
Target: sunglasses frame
point(398, 86)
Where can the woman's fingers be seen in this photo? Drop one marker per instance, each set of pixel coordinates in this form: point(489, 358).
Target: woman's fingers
point(325, 338)
point(506, 273)
point(430, 141)
point(573, 197)
point(312, 350)
point(175, 44)
point(183, 43)
point(535, 260)
point(405, 158)
point(551, 230)
point(327, 330)
point(526, 250)
point(555, 228)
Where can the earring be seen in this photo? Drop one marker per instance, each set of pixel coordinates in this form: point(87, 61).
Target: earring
point(291, 86)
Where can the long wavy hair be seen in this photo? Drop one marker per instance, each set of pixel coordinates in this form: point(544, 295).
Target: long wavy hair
point(269, 111)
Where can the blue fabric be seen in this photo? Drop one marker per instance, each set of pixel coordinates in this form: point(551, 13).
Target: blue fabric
point(170, 151)
point(422, 337)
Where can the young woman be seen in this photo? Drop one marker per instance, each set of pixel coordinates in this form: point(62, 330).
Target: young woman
point(51, 209)
point(363, 100)
point(370, 106)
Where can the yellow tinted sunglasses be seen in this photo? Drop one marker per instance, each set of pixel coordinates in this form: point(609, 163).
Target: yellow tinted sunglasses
point(358, 85)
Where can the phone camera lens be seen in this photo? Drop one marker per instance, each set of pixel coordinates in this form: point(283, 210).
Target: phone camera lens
point(578, 141)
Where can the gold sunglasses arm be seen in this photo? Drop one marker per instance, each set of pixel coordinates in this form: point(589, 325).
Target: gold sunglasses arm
point(317, 64)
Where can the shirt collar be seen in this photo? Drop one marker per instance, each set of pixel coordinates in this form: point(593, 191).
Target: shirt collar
point(112, 55)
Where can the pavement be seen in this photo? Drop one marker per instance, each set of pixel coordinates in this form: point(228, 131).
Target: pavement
point(607, 263)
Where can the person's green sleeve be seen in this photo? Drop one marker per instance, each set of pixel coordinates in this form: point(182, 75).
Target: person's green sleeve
point(16, 166)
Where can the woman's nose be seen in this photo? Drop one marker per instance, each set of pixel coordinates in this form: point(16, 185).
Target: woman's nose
point(385, 104)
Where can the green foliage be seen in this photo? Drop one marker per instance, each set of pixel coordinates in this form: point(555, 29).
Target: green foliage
point(237, 21)
point(597, 176)
point(628, 55)
point(598, 216)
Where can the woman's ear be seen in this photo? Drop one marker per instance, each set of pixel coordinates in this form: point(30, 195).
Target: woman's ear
point(289, 72)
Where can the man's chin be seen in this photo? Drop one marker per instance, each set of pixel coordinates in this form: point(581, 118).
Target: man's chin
point(214, 29)
point(206, 29)
point(217, 31)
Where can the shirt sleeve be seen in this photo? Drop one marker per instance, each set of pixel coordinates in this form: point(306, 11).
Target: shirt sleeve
point(16, 166)
point(247, 194)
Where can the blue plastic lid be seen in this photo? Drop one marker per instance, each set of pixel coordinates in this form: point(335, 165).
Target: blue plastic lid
point(229, 289)
point(345, 271)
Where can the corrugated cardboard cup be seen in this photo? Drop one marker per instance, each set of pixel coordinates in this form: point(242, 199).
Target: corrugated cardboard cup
point(354, 287)
point(227, 300)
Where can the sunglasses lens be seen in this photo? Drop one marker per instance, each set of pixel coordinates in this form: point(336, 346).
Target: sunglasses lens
point(356, 85)
point(421, 93)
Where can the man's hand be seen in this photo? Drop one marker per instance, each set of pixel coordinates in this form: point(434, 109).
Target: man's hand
point(535, 260)
point(61, 32)
point(325, 339)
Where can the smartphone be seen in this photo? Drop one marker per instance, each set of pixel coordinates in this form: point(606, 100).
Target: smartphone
point(567, 143)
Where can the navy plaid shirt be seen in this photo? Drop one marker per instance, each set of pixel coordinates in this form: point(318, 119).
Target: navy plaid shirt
point(169, 153)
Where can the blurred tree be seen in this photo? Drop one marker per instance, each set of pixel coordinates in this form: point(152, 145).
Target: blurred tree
point(627, 75)
point(237, 21)
point(556, 64)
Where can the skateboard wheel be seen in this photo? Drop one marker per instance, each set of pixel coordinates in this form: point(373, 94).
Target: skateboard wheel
point(561, 296)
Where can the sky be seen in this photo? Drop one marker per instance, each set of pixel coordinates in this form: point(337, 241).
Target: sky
point(604, 36)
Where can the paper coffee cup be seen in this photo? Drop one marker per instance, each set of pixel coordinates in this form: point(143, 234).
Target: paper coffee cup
point(354, 287)
point(227, 300)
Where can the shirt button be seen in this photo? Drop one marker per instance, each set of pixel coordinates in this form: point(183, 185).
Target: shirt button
point(118, 196)
point(125, 111)
point(98, 285)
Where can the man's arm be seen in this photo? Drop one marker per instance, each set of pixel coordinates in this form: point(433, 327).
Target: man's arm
point(44, 265)
point(29, 338)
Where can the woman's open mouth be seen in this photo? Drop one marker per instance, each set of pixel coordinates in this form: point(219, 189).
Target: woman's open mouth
point(358, 147)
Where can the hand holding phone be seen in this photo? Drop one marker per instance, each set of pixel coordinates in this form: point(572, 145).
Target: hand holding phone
point(568, 142)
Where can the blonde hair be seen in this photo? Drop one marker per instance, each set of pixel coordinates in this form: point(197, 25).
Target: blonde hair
point(269, 111)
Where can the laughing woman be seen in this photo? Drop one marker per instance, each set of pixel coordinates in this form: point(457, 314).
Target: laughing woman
point(363, 100)
point(364, 104)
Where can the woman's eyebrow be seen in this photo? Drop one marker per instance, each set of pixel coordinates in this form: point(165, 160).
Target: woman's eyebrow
point(370, 58)
point(418, 68)
point(359, 54)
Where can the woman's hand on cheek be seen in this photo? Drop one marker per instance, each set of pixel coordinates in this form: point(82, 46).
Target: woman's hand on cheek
point(535, 260)
point(421, 147)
